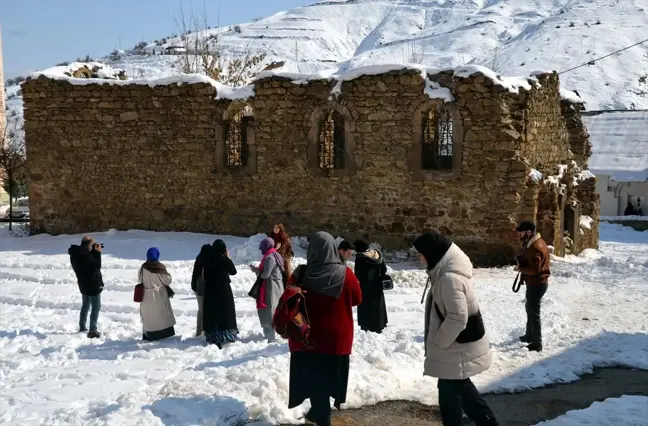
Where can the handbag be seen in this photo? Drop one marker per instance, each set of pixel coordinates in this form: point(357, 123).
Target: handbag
point(474, 330)
point(255, 291)
point(138, 294)
point(200, 285)
point(170, 292)
point(387, 282)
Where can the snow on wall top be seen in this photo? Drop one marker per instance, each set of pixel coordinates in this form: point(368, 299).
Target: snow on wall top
point(619, 144)
point(108, 75)
point(346, 73)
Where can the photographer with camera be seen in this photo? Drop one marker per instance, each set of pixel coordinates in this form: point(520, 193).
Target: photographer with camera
point(86, 263)
point(534, 267)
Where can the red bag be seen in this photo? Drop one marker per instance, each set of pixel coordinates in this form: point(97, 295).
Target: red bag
point(138, 295)
point(290, 319)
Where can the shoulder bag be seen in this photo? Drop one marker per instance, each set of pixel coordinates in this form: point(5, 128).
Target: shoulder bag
point(474, 330)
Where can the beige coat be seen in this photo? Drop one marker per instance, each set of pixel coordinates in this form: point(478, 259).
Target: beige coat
point(155, 308)
point(451, 289)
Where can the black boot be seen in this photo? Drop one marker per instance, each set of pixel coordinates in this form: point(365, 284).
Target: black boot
point(94, 334)
point(525, 339)
point(535, 347)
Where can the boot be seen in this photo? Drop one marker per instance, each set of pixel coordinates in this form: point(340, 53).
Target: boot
point(525, 339)
point(94, 334)
point(535, 347)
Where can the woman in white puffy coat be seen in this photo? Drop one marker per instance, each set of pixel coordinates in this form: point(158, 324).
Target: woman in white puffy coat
point(155, 309)
point(456, 343)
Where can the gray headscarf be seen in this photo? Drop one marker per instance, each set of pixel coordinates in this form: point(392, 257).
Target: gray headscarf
point(325, 271)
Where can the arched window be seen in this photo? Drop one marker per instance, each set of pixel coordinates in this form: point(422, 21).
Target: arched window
point(236, 141)
point(331, 144)
point(236, 137)
point(437, 139)
point(331, 141)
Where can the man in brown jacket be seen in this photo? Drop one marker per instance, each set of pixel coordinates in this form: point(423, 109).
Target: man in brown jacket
point(533, 265)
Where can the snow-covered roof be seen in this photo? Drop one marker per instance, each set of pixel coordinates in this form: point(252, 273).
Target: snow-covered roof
point(619, 144)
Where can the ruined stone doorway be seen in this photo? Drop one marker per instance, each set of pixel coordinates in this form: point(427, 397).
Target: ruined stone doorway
point(570, 228)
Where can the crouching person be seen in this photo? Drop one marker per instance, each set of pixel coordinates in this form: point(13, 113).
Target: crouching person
point(456, 344)
point(155, 309)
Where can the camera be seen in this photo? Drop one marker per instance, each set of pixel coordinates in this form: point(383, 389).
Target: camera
point(99, 245)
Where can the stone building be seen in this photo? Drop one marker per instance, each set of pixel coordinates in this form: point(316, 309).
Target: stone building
point(378, 153)
point(3, 121)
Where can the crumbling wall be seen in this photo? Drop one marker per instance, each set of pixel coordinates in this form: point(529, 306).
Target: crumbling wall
point(118, 155)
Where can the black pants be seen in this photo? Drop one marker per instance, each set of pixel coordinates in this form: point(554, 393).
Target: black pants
point(533, 300)
point(320, 412)
point(457, 396)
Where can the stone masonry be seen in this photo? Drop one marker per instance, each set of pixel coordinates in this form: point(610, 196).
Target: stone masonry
point(115, 155)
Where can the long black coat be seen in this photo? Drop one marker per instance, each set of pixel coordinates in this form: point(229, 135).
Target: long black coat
point(87, 268)
point(372, 312)
point(219, 311)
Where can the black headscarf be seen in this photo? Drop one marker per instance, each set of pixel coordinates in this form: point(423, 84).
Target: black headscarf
point(361, 246)
point(219, 247)
point(433, 246)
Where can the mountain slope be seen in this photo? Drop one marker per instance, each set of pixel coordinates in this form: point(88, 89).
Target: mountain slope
point(514, 37)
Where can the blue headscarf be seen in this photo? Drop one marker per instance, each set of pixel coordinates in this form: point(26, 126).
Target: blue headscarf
point(153, 254)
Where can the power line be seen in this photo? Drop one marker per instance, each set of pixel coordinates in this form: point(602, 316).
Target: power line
point(603, 57)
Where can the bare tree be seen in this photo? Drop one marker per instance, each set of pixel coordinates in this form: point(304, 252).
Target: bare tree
point(12, 160)
point(201, 53)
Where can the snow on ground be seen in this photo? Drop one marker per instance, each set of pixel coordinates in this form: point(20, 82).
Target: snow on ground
point(594, 315)
point(629, 410)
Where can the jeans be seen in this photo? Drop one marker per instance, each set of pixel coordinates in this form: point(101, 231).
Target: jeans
point(199, 317)
point(457, 396)
point(88, 301)
point(533, 300)
point(269, 333)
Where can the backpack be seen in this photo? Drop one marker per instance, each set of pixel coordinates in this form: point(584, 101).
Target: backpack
point(290, 319)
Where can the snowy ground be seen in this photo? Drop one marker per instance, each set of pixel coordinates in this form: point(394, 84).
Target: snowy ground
point(594, 315)
point(630, 410)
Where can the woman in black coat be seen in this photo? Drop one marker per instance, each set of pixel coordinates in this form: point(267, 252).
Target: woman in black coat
point(369, 268)
point(219, 311)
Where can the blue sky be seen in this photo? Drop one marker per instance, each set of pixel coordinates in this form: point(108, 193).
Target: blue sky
point(41, 33)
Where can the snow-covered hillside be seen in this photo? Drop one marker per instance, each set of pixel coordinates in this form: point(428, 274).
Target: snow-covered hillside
point(513, 37)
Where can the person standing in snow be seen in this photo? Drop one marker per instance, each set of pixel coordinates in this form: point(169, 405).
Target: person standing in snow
point(270, 271)
point(219, 310)
point(630, 209)
point(283, 246)
point(321, 370)
point(369, 269)
point(86, 263)
point(155, 309)
point(452, 316)
point(533, 265)
point(345, 249)
point(638, 209)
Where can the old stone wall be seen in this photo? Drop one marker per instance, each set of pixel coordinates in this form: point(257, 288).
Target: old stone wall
point(579, 142)
point(547, 142)
point(131, 156)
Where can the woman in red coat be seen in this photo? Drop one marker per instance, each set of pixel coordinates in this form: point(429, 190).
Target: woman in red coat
point(321, 370)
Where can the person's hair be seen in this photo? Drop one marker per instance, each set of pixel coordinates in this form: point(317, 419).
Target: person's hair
point(86, 241)
point(345, 245)
point(282, 230)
